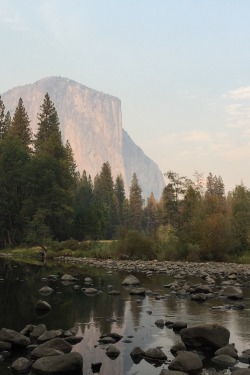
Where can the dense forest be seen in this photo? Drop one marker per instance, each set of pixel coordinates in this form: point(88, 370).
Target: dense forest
point(45, 199)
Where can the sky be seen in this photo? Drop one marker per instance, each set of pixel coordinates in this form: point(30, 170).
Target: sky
point(180, 67)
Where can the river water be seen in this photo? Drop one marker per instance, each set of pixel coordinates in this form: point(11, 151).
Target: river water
point(132, 317)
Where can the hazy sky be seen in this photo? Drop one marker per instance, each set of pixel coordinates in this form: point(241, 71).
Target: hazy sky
point(180, 67)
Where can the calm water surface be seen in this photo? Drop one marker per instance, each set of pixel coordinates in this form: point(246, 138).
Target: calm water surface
point(124, 314)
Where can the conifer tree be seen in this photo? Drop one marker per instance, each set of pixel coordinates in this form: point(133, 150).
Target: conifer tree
point(20, 125)
point(104, 201)
point(135, 203)
point(48, 139)
point(52, 176)
point(2, 123)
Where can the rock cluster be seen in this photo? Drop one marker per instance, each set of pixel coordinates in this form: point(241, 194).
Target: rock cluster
point(47, 352)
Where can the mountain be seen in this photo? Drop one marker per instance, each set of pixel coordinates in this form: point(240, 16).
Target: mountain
point(92, 122)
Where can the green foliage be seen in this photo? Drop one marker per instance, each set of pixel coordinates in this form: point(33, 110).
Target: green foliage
point(136, 245)
point(20, 125)
point(135, 204)
point(167, 243)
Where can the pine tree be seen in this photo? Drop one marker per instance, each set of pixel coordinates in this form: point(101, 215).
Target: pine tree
point(119, 190)
point(52, 176)
point(7, 123)
point(2, 123)
point(104, 201)
point(135, 203)
point(48, 138)
point(20, 125)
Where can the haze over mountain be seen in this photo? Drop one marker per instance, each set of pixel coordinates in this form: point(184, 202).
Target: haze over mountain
point(92, 122)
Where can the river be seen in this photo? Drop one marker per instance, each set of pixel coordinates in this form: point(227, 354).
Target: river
point(133, 317)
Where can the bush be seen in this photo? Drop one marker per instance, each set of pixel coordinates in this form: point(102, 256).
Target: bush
point(167, 243)
point(136, 245)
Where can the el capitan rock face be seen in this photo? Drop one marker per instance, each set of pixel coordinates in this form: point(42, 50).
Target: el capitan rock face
point(92, 122)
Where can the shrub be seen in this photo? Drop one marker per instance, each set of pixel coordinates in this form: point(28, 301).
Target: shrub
point(136, 245)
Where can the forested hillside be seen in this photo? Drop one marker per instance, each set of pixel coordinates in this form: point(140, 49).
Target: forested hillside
point(44, 199)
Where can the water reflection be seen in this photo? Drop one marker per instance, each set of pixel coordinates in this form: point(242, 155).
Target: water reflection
point(103, 313)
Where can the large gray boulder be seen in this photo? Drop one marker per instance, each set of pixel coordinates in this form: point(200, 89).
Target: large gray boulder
point(208, 335)
point(63, 364)
point(14, 337)
point(186, 362)
point(51, 347)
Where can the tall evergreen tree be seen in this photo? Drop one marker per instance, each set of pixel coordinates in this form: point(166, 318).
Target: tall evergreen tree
point(48, 139)
point(20, 125)
point(14, 159)
point(51, 176)
point(119, 190)
point(2, 123)
point(135, 204)
point(104, 201)
point(84, 215)
point(7, 123)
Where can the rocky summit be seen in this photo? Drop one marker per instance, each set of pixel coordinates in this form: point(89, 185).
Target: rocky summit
point(92, 122)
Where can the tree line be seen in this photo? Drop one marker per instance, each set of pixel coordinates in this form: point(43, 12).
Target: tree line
point(44, 198)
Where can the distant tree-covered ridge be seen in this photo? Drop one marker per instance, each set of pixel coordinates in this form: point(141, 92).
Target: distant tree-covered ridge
point(44, 199)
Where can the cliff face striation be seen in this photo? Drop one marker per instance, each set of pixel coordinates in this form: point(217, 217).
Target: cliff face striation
point(92, 122)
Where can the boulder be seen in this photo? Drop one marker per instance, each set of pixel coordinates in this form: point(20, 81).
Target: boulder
point(231, 292)
point(186, 362)
point(62, 364)
point(137, 352)
point(21, 365)
point(73, 339)
point(46, 290)
point(46, 336)
point(27, 329)
point(160, 323)
point(156, 354)
point(14, 337)
point(91, 291)
point(112, 351)
point(55, 346)
point(179, 347)
point(228, 350)
point(67, 277)
point(210, 335)
point(38, 330)
point(224, 360)
point(131, 280)
point(42, 306)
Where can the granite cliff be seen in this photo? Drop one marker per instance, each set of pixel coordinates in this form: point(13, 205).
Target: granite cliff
point(92, 122)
